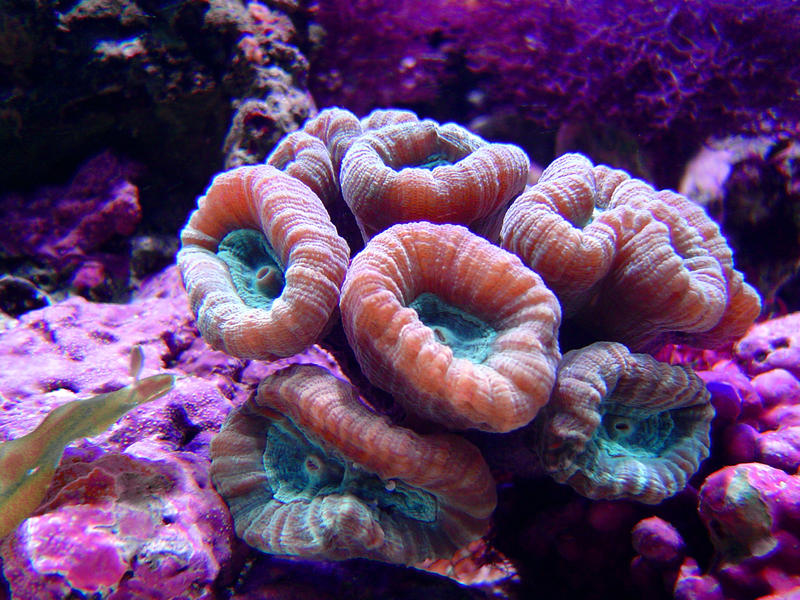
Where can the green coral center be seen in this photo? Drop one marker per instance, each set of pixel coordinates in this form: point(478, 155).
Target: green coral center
point(465, 334)
point(296, 467)
point(430, 162)
point(626, 431)
point(254, 267)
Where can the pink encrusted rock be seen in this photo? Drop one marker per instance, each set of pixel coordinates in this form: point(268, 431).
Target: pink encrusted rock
point(773, 344)
point(752, 513)
point(758, 419)
point(60, 224)
point(780, 448)
point(141, 524)
point(732, 393)
point(779, 389)
point(692, 584)
point(658, 541)
point(660, 551)
point(779, 444)
point(130, 513)
point(75, 349)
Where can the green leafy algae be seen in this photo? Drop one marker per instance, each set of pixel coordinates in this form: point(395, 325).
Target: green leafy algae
point(28, 463)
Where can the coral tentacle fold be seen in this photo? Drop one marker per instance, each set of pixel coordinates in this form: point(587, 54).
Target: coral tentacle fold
point(420, 170)
point(623, 425)
point(635, 265)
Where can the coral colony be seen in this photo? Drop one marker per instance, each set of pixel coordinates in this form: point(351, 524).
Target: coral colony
point(461, 333)
point(421, 324)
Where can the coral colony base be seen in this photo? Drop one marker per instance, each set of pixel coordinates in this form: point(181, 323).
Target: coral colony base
point(404, 299)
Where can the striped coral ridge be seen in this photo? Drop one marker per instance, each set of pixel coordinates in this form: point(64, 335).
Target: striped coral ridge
point(295, 223)
point(400, 354)
point(340, 525)
point(337, 128)
point(639, 266)
point(445, 465)
point(306, 158)
point(383, 184)
point(606, 374)
point(551, 227)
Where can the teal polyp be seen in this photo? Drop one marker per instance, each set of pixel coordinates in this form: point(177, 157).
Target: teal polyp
point(625, 431)
point(467, 336)
point(298, 468)
point(437, 159)
point(254, 266)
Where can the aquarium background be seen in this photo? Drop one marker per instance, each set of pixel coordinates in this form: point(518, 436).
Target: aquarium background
point(116, 116)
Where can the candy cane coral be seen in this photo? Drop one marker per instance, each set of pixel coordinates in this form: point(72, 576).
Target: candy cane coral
point(274, 290)
point(420, 170)
point(307, 469)
point(460, 332)
point(622, 425)
point(455, 328)
point(637, 266)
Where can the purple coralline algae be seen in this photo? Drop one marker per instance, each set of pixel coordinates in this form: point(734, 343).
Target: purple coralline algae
point(771, 345)
point(752, 514)
point(642, 66)
point(131, 512)
point(81, 348)
point(140, 524)
point(63, 230)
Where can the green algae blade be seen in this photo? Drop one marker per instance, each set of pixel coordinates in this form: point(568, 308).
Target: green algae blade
point(27, 464)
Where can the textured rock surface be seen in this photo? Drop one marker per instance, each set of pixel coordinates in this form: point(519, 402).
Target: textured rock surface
point(172, 532)
point(752, 514)
point(751, 187)
point(143, 523)
point(75, 233)
point(80, 348)
point(160, 81)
